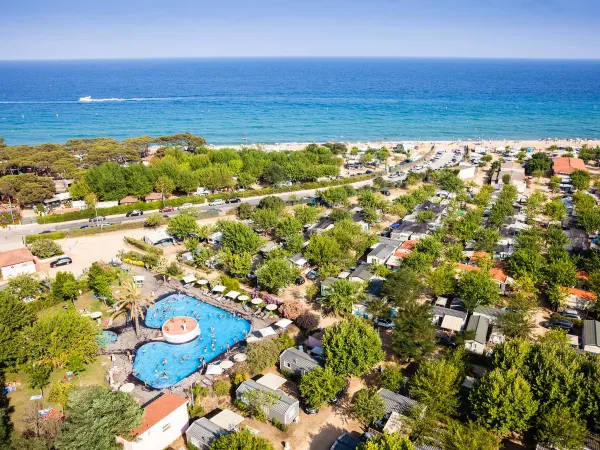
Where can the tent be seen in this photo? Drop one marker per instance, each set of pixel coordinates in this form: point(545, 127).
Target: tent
point(219, 288)
point(267, 331)
point(213, 369)
point(227, 419)
point(232, 294)
point(189, 279)
point(283, 323)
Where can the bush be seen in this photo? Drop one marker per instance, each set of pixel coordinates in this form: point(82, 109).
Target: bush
point(284, 341)
point(277, 424)
point(308, 321)
point(262, 355)
point(391, 378)
point(30, 238)
point(292, 309)
point(144, 246)
point(240, 374)
point(196, 411)
point(154, 220)
point(222, 388)
point(45, 248)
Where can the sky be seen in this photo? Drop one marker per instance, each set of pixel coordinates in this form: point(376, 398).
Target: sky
point(83, 29)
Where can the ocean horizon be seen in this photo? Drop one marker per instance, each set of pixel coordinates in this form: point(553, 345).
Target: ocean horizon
point(273, 100)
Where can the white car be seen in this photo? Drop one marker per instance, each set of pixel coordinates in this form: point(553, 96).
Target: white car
point(186, 206)
point(216, 202)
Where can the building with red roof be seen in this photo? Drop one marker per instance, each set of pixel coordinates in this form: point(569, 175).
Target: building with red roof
point(17, 262)
point(566, 166)
point(165, 420)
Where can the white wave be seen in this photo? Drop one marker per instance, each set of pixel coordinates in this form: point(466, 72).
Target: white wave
point(89, 99)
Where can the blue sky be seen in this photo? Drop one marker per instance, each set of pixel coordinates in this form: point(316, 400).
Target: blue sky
point(74, 29)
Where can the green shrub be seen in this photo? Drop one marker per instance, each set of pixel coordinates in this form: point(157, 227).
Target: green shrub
point(45, 248)
point(222, 388)
point(277, 424)
point(144, 246)
point(31, 238)
point(196, 411)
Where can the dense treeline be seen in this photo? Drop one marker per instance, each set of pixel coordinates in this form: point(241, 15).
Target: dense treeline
point(111, 169)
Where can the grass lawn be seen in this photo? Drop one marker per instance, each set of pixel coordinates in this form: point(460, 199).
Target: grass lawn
point(19, 400)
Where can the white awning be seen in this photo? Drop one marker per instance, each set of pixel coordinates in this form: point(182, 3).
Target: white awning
point(267, 331)
point(283, 323)
point(227, 419)
point(139, 278)
point(219, 288)
point(214, 369)
point(271, 381)
point(452, 323)
point(232, 294)
point(188, 279)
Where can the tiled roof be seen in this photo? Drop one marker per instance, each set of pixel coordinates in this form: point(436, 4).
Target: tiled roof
point(580, 293)
point(408, 245)
point(129, 199)
point(153, 196)
point(17, 256)
point(467, 268)
point(567, 165)
point(157, 410)
point(498, 274)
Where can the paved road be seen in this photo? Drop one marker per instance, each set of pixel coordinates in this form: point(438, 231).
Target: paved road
point(16, 234)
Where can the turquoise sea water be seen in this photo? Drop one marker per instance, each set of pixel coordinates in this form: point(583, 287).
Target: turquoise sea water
point(161, 364)
point(299, 100)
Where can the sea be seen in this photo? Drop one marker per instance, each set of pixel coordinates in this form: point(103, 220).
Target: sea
point(274, 100)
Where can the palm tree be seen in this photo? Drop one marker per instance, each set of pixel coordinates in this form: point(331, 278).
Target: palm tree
point(132, 303)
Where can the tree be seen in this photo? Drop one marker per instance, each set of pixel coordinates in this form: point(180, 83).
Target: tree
point(322, 249)
point(414, 332)
point(242, 440)
point(38, 375)
point(352, 347)
point(391, 378)
point(319, 386)
point(442, 279)
point(61, 339)
point(292, 308)
point(99, 280)
point(267, 219)
point(272, 202)
point(402, 287)
point(487, 238)
point(580, 179)
point(308, 321)
point(133, 303)
point(240, 264)
point(276, 274)
point(59, 393)
point(154, 221)
point(262, 355)
point(45, 248)
point(239, 237)
point(539, 161)
point(554, 183)
point(436, 385)
point(274, 174)
point(342, 294)
point(27, 188)
point(369, 407)
point(259, 402)
point(65, 287)
point(468, 437)
point(516, 323)
point(244, 211)
point(560, 428)
point(24, 286)
point(386, 441)
point(534, 203)
point(306, 214)
point(556, 209)
point(15, 316)
point(95, 415)
point(503, 401)
point(182, 226)
point(477, 288)
point(288, 227)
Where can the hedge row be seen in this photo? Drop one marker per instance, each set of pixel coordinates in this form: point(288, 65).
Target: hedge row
point(138, 243)
point(123, 209)
point(83, 232)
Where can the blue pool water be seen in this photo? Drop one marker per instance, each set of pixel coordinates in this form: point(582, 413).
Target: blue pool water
point(106, 337)
point(160, 364)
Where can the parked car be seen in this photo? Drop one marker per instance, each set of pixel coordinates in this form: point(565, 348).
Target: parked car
point(62, 261)
point(571, 314)
point(299, 281)
point(444, 339)
point(97, 219)
point(384, 323)
point(213, 210)
point(216, 202)
point(562, 324)
point(386, 192)
point(166, 209)
point(186, 206)
point(311, 275)
point(82, 227)
point(135, 213)
point(45, 232)
point(308, 410)
point(233, 200)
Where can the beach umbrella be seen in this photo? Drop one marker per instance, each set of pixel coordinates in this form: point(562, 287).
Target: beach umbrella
point(243, 298)
point(202, 282)
point(226, 364)
point(257, 301)
point(271, 307)
point(239, 357)
point(127, 387)
point(213, 369)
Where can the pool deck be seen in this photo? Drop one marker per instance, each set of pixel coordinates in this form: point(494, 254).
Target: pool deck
point(123, 351)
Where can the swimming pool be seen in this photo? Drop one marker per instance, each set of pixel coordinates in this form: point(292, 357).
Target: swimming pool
point(160, 364)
